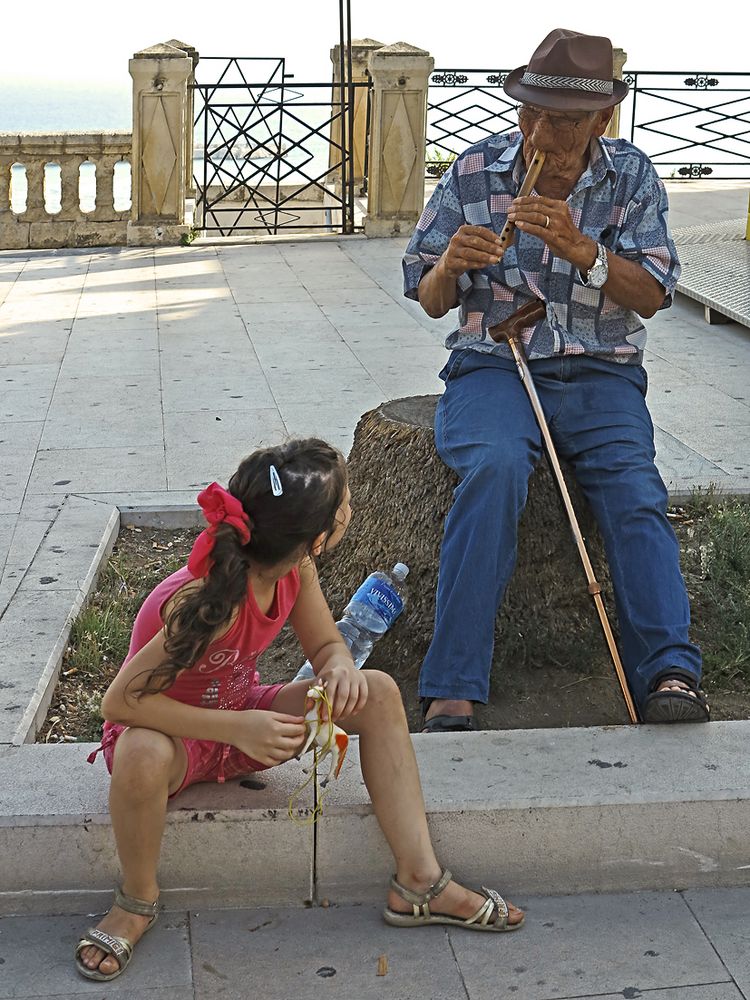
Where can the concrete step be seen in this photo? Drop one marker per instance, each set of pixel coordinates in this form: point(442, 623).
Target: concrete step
point(531, 811)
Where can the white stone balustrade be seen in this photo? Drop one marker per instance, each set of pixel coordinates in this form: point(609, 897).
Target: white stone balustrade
point(36, 227)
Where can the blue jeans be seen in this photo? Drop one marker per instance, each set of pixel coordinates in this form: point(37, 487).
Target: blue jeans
point(486, 431)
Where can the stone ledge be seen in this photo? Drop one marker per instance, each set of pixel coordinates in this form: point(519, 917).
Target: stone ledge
point(52, 591)
point(59, 580)
point(552, 811)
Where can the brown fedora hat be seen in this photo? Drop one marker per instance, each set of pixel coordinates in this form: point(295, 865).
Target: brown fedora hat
point(568, 71)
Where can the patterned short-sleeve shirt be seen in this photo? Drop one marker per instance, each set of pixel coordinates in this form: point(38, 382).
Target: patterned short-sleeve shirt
point(618, 201)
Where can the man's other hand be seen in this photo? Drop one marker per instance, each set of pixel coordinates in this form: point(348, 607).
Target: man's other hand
point(470, 248)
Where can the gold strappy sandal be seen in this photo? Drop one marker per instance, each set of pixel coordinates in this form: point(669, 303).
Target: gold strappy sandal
point(118, 947)
point(492, 915)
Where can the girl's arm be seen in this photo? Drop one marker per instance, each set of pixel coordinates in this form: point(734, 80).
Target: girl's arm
point(268, 737)
point(324, 646)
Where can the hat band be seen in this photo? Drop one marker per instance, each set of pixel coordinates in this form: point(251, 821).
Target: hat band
point(568, 83)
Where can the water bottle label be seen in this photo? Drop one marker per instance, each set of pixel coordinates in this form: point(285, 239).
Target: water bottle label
point(382, 597)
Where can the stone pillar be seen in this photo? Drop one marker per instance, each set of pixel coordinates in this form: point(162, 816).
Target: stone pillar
point(395, 191)
point(619, 58)
point(361, 49)
point(160, 119)
point(194, 57)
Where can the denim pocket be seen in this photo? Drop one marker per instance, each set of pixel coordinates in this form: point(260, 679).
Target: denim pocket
point(453, 366)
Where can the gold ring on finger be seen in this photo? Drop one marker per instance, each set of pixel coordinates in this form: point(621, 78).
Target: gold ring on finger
point(546, 222)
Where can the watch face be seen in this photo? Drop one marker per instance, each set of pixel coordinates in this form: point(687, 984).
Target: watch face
point(598, 275)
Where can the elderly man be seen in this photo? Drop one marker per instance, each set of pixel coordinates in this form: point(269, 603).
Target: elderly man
point(592, 243)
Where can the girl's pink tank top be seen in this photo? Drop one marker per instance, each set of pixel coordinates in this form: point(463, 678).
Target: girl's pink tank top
point(225, 674)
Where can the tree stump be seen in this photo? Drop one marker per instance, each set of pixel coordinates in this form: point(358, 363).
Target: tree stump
point(401, 493)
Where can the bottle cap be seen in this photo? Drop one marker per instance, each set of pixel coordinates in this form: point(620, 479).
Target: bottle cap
point(400, 571)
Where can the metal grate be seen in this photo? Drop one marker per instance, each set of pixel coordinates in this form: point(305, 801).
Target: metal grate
point(716, 267)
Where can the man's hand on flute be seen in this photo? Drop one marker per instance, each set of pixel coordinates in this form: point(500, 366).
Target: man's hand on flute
point(550, 220)
point(470, 247)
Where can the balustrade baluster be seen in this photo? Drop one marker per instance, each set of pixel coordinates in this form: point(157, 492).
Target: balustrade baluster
point(5, 164)
point(35, 211)
point(69, 173)
point(105, 197)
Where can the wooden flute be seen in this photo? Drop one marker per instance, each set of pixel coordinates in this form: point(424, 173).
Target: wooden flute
point(537, 162)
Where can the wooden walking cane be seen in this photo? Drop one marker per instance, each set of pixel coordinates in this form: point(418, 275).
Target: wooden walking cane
point(510, 330)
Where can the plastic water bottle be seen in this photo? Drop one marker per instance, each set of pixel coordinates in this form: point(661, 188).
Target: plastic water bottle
point(374, 607)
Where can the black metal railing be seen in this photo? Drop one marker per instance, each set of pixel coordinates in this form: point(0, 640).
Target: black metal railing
point(271, 155)
point(690, 124)
point(464, 106)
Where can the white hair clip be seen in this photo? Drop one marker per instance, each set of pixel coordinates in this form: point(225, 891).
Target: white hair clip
point(276, 488)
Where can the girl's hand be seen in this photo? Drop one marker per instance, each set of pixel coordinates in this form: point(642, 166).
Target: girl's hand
point(269, 737)
point(346, 687)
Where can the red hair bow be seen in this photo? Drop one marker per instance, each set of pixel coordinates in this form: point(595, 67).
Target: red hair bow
point(219, 507)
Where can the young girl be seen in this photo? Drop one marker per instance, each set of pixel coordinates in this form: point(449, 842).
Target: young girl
point(187, 705)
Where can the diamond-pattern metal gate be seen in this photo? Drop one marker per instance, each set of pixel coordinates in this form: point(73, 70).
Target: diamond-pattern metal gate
point(272, 156)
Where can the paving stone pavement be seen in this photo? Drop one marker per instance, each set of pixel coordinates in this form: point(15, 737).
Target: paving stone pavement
point(661, 946)
point(154, 371)
point(127, 370)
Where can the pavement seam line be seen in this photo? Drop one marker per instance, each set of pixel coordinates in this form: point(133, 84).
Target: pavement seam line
point(190, 949)
point(43, 423)
point(458, 966)
point(33, 557)
point(247, 334)
point(695, 917)
point(152, 256)
point(381, 287)
point(85, 278)
point(646, 990)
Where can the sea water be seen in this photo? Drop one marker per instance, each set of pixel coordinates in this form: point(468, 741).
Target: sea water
point(299, 158)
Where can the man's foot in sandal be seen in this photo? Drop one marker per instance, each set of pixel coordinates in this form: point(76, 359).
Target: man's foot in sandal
point(447, 902)
point(676, 698)
point(105, 950)
point(441, 715)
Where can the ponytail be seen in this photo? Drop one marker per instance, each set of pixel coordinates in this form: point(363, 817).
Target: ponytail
point(282, 512)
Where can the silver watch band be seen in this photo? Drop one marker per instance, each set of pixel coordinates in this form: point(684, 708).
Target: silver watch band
point(599, 261)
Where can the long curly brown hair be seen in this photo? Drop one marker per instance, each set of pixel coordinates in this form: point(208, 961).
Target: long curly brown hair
point(283, 528)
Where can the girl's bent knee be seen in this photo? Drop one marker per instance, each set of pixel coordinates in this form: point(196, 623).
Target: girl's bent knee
point(382, 689)
point(144, 757)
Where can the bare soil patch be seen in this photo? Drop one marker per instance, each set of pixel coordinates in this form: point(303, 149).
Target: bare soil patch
point(572, 685)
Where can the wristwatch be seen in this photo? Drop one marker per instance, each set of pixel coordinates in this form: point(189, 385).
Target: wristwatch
point(598, 273)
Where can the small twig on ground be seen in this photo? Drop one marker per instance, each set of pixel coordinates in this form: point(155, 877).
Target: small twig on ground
point(593, 677)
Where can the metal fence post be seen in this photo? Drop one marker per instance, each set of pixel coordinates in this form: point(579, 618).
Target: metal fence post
point(361, 48)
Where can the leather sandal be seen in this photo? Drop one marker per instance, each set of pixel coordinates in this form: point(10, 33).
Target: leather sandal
point(450, 724)
point(676, 705)
point(492, 915)
point(118, 947)
point(446, 723)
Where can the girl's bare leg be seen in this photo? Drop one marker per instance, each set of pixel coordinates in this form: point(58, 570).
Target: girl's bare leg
point(147, 766)
point(389, 768)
